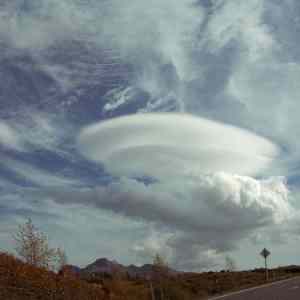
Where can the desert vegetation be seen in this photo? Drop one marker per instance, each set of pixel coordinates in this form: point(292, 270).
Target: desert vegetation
point(22, 281)
point(41, 272)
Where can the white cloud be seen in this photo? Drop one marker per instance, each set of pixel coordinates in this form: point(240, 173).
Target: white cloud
point(37, 24)
point(198, 200)
point(36, 175)
point(242, 22)
point(118, 97)
point(165, 28)
point(34, 130)
point(209, 213)
point(164, 103)
point(273, 87)
point(258, 89)
point(10, 138)
point(145, 35)
point(210, 202)
point(160, 145)
point(42, 131)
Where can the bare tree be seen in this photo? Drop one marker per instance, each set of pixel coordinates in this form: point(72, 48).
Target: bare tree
point(161, 271)
point(61, 259)
point(230, 264)
point(159, 262)
point(32, 246)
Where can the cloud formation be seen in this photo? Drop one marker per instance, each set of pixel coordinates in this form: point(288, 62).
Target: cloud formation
point(209, 213)
point(199, 200)
point(10, 138)
point(160, 145)
point(37, 176)
point(159, 48)
point(227, 60)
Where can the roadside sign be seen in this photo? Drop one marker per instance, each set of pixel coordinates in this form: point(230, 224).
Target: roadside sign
point(265, 253)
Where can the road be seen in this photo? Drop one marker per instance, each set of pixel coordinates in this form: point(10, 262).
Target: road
point(283, 290)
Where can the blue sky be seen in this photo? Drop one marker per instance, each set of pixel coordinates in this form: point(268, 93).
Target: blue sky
point(129, 128)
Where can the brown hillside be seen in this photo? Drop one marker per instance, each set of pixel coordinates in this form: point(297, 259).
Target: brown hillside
point(19, 281)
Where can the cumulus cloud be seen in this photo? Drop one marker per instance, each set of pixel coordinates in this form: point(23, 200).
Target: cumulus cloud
point(198, 198)
point(210, 213)
point(224, 198)
point(161, 145)
point(239, 64)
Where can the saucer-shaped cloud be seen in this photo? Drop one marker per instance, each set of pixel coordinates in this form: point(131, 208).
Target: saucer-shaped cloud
point(205, 196)
point(160, 145)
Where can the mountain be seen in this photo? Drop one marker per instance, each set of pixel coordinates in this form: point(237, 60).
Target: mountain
point(105, 266)
point(145, 271)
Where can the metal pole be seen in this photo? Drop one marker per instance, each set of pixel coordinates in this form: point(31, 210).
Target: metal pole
point(152, 291)
point(266, 269)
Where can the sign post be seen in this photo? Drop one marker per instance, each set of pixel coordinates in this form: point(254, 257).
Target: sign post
point(265, 253)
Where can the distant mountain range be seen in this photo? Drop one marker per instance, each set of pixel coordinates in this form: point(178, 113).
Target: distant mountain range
point(104, 266)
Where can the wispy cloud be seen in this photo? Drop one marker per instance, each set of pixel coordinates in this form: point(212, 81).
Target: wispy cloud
point(37, 176)
point(10, 138)
point(231, 61)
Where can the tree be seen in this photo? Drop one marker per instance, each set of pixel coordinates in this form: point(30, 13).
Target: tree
point(230, 264)
point(159, 262)
point(61, 259)
point(32, 246)
point(161, 269)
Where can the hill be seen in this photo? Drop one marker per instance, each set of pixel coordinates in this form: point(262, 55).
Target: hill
point(102, 281)
point(19, 281)
point(104, 266)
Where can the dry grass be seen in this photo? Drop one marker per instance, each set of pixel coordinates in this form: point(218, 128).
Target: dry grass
point(19, 281)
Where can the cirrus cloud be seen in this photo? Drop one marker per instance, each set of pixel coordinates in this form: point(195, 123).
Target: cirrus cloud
point(10, 137)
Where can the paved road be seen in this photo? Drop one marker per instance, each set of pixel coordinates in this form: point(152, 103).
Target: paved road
point(284, 290)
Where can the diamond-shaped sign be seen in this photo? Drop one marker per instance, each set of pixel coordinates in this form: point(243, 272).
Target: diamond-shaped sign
point(265, 253)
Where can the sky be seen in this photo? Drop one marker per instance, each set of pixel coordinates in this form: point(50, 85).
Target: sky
point(129, 128)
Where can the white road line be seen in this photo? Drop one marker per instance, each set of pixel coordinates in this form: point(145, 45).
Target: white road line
point(254, 288)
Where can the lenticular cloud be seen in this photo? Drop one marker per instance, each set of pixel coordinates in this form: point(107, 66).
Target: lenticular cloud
point(160, 145)
point(204, 196)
